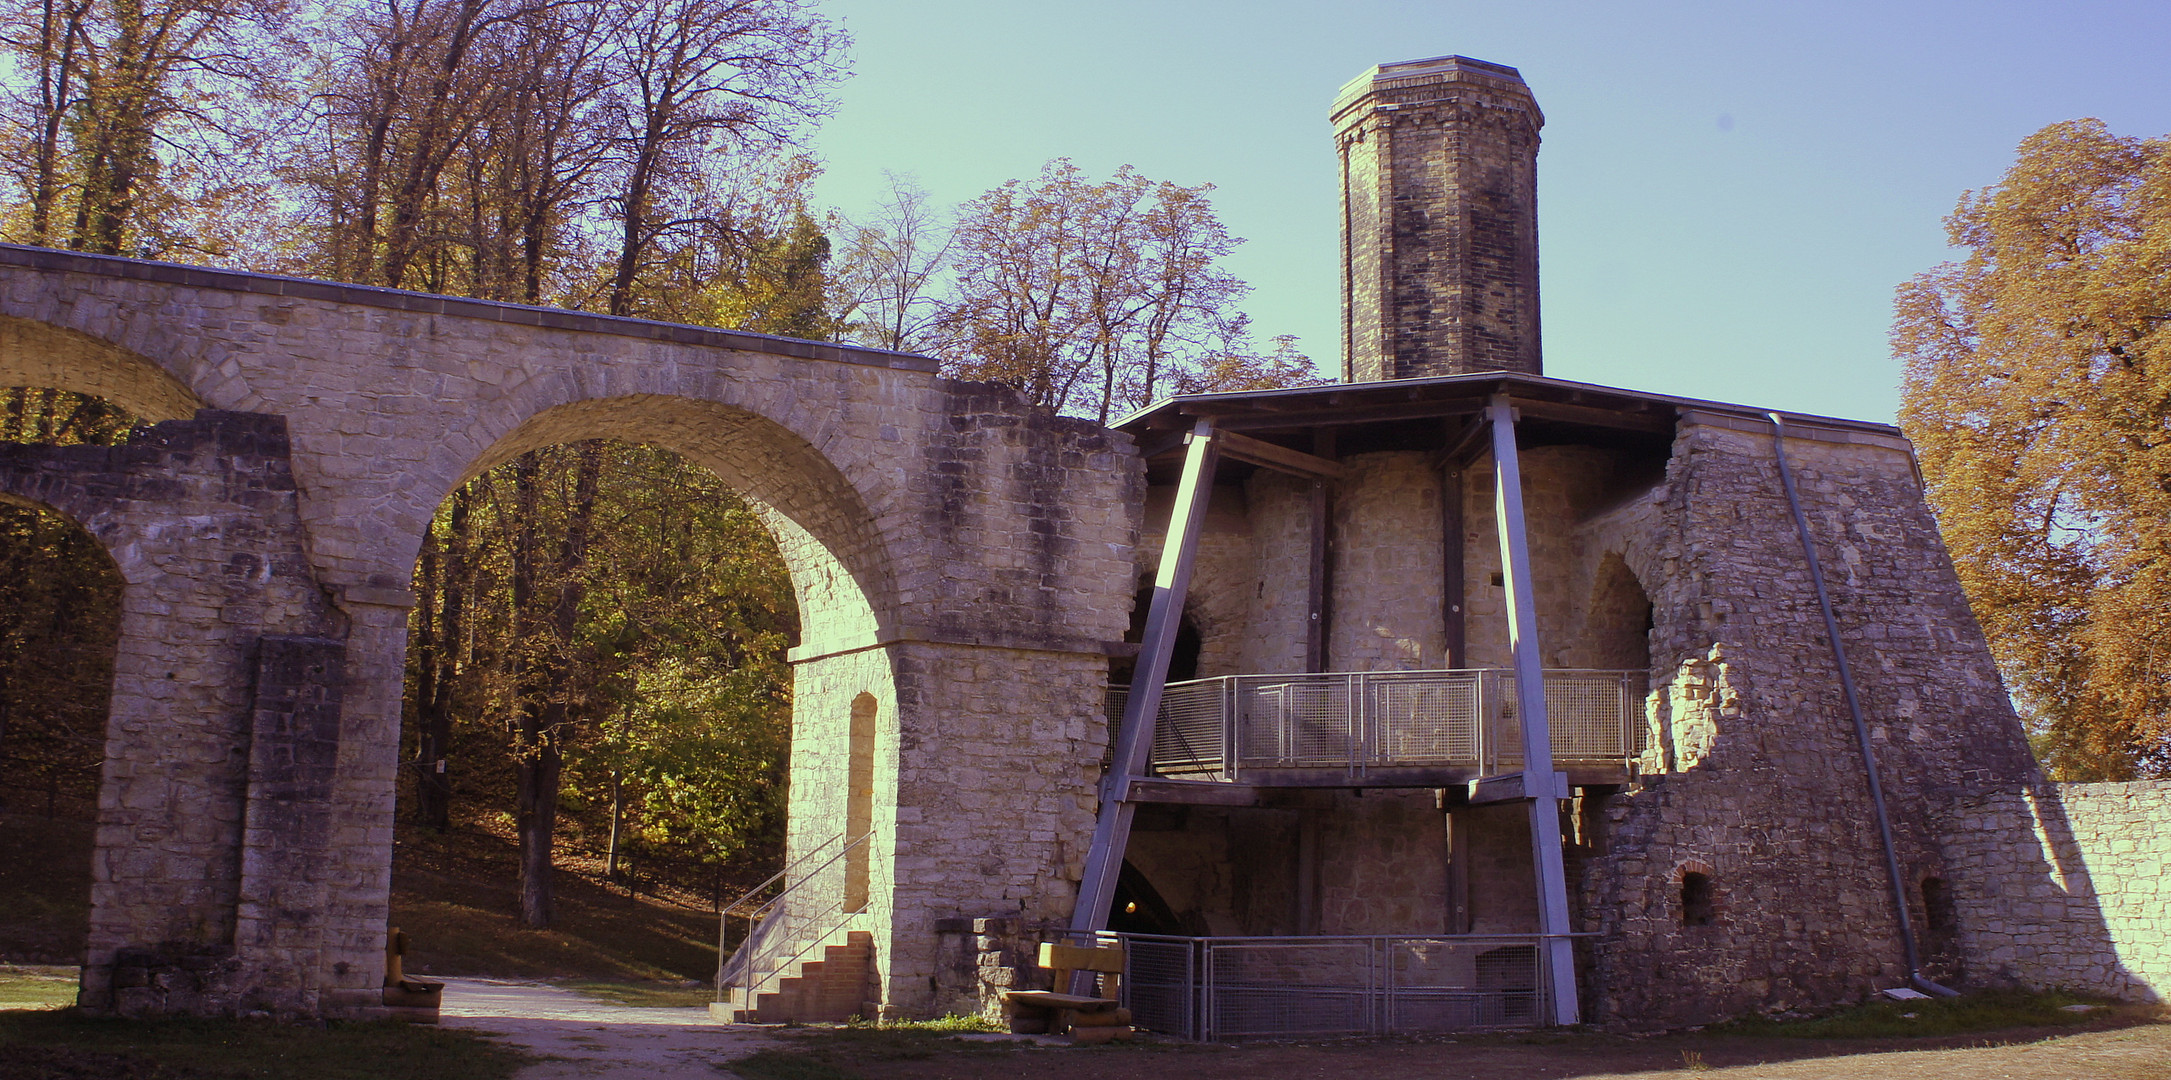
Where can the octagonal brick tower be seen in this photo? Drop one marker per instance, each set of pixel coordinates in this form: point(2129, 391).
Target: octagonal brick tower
point(1439, 166)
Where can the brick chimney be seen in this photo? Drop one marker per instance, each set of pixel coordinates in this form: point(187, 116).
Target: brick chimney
point(1439, 220)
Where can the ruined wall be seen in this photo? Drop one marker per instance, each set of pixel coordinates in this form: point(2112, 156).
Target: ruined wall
point(1759, 783)
point(224, 725)
point(1383, 864)
point(2062, 885)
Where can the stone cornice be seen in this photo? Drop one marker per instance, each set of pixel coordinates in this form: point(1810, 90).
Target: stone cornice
point(333, 292)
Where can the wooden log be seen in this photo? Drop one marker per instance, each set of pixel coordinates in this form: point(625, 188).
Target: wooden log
point(1095, 1036)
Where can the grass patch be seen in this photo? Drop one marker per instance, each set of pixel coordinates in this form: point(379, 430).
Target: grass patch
point(457, 898)
point(645, 995)
point(1990, 1010)
point(64, 1040)
point(953, 1024)
point(35, 986)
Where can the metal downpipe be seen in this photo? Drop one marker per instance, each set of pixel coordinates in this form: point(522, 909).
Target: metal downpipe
point(1861, 728)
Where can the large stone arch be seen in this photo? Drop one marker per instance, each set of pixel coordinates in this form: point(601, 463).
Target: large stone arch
point(841, 571)
point(35, 353)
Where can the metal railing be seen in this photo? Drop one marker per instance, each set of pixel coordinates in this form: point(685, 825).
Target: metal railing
point(1219, 989)
point(798, 909)
point(1218, 728)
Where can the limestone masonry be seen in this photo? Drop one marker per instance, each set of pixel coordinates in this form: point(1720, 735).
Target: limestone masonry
point(1338, 753)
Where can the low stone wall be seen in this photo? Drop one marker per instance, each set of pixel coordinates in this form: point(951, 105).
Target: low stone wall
point(2063, 885)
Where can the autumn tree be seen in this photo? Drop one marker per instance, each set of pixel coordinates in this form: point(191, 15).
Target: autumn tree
point(2038, 395)
point(1099, 297)
point(124, 118)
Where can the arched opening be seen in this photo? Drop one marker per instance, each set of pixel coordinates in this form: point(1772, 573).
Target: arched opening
point(1183, 660)
point(60, 610)
point(1621, 618)
point(36, 354)
point(859, 801)
point(1698, 905)
point(597, 718)
point(612, 615)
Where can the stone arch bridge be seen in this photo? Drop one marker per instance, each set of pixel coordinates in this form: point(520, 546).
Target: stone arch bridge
point(961, 560)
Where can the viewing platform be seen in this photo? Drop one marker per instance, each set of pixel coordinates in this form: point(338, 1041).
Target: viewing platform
point(1219, 740)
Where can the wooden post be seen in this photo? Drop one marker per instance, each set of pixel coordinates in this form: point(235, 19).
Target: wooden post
point(1134, 748)
point(1453, 592)
point(1539, 783)
point(1319, 581)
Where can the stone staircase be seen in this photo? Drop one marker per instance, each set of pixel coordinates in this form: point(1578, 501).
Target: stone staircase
point(832, 989)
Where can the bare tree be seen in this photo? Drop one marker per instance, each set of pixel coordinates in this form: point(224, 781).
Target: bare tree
point(889, 274)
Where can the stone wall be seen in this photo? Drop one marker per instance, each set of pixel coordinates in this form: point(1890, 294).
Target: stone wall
point(2062, 885)
point(959, 544)
point(205, 894)
point(1758, 783)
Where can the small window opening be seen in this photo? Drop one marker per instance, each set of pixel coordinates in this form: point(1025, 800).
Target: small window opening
point(1696, 905)
point(1937, 908)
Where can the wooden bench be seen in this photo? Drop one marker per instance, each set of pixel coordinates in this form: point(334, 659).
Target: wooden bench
point(1088, 1018)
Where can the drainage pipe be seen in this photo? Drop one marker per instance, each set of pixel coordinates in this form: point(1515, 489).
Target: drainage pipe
point(1854, 709)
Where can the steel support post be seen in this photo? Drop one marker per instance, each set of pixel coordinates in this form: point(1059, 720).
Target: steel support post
point(1539, 783)
point(1134, 747)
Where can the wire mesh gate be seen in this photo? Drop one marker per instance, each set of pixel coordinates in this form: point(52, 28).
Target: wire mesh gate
point(1216, 989)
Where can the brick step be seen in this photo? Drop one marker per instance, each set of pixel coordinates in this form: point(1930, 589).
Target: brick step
point(832, 989)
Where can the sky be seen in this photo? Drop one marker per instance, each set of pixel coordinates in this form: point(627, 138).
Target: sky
point(1728, 192)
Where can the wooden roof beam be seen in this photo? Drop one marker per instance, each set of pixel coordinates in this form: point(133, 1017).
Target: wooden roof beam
point(1279, 458)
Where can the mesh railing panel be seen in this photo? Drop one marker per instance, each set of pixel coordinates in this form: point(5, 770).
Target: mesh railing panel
point(1187, 735)
point(1324, 987)
point(1387, 719)
point(1445, 985)
point(1161, 985)
point(1299, 721)
point(1428, 719)
point(1237, 988)
point(1590, 715)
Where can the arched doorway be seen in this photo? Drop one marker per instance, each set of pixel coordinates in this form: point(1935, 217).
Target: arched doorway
point(60, 598)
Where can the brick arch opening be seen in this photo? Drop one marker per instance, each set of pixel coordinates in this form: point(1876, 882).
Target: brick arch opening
point(34, 353)
point(840, 568)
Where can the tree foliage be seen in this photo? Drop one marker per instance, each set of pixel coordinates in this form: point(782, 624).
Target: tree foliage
point(2038, 394)
point(1092, 298)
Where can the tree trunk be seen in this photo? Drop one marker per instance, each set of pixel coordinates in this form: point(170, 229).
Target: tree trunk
point(441, 666)
point(545, 714)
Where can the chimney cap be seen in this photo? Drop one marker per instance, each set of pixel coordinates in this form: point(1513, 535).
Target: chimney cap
point(1438, 69)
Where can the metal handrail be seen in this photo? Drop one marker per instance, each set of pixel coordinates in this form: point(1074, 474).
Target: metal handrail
point(762, 921)
point(1365, 720)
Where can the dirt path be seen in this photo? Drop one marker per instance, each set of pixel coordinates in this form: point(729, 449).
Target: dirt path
point(2134, 1053)
point(583, 1039)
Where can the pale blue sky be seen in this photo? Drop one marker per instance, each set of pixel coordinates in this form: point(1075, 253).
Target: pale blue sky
point(1729, 192)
